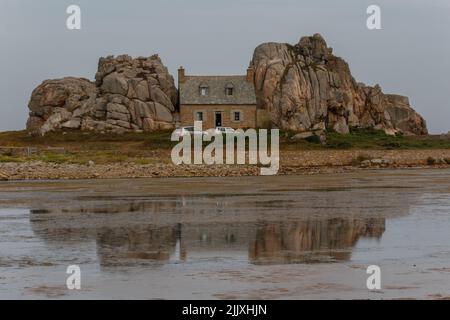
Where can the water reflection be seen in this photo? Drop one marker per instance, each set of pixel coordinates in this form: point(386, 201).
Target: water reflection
point(269, 243)
point(180, 229)
point(140, 244)
point(312, 240)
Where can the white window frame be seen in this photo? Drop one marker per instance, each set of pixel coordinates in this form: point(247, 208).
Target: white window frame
point(203, 113)
point(204, 91)
point(241, 115)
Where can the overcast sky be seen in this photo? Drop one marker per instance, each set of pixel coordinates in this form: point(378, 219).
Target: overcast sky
point(409, 56)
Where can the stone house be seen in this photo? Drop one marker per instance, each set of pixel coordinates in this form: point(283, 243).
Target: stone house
point(218, 101)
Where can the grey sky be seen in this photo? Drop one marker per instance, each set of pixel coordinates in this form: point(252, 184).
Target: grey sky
point(410, 56)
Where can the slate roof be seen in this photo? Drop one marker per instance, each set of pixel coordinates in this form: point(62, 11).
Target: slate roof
point(243, 90)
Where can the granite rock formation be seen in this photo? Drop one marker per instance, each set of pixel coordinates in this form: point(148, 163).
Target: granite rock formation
point(127, 95)
point(305, 87)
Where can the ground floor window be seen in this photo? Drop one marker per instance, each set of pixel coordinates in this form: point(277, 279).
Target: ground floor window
point(237, 116)
point(199, 116)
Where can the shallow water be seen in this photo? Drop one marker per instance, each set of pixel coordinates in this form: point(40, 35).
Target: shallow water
point(288, 237)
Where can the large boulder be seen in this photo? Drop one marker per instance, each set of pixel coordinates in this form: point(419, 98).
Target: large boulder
point(54, 101)
point(305, 86)
point(127, 95)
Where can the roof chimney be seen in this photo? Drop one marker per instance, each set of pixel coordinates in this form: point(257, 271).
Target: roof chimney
point(181, 75)
point(250, 73)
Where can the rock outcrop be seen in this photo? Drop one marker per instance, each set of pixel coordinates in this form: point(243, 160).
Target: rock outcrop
point(306, 88)
point(128, 95)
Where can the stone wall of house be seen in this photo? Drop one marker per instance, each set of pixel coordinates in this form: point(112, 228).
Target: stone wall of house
point(248, 115)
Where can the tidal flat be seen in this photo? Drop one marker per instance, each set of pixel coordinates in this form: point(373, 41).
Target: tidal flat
point(275, 237)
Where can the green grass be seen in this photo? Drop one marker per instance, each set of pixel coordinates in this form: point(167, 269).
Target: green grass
point(148, 148)
point(87, 139)
point(373, 139)
point(7, 158)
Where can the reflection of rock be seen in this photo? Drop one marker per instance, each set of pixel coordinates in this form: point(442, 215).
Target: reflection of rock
point(312, 240)
point(79, 221)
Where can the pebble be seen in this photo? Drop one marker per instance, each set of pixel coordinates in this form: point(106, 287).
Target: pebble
point(3, 177)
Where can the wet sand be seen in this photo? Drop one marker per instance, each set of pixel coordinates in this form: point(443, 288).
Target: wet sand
point(280, 237)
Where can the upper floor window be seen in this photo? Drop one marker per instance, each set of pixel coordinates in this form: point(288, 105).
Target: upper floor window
point(237, 116)
point(229, 89)
point(204, 90)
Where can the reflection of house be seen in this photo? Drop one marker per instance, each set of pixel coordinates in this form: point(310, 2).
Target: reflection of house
point(120, 242)
point(123, 246)
point(218, 101)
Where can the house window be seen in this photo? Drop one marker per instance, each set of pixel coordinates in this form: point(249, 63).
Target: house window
point(229, 88)
point(199, 116)
point(237, 116)
point(204, 90)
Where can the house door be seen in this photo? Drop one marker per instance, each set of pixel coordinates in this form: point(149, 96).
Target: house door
point(218, 119)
